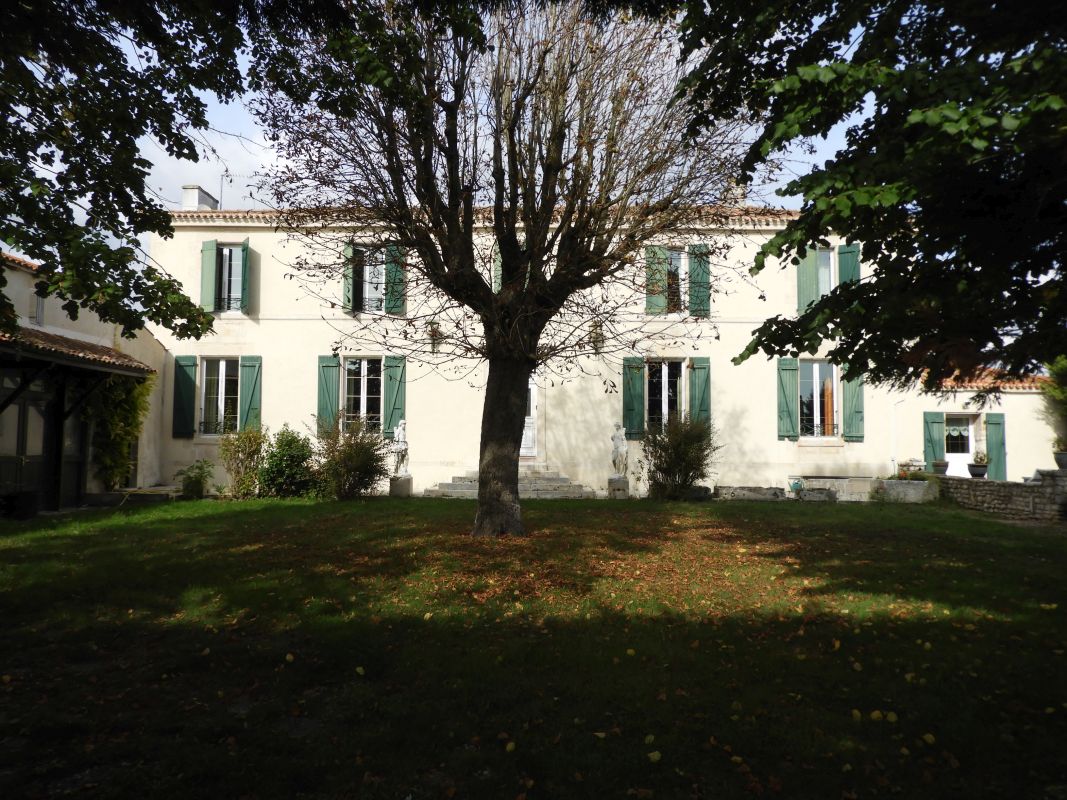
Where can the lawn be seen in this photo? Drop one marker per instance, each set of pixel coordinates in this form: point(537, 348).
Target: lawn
point(719, 650)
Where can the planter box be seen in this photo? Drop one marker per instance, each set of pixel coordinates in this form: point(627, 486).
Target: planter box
point(909, 491)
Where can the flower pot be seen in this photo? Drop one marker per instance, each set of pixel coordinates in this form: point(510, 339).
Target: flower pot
point(940, 467)
point(1061, 459)
point(978, 470)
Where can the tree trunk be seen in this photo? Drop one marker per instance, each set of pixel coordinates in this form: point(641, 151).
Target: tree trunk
point(503, 417)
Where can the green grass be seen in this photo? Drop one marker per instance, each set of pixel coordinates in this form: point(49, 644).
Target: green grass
point(282, 649)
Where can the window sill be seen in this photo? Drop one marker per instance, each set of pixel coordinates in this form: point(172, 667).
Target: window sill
point(820, 441)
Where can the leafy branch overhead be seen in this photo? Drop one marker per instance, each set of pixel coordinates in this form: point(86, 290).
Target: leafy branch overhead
point(953, 175)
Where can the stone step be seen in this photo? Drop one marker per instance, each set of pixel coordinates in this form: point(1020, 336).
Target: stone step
point(532, 473)
point(573, 493)
point(524, 486)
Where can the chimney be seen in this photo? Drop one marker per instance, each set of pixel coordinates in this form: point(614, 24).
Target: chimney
point(195, 198)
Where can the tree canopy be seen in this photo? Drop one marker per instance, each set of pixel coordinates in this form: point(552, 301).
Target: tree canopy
point(83, 82)
point(953, 176)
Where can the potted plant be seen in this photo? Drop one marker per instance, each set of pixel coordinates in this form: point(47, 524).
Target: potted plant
point(1059, 452)
point(940, 467)
point(980, 466)
point(194, 478)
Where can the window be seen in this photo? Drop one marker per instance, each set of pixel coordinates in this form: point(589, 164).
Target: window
point(664, 392)
point(957, 435)
point(674, 280)
point(228, 278)
point(220, 379)
point(36, 309)
point(368, 284)
point(825, 268)
point(817, 399)
point(363, 391)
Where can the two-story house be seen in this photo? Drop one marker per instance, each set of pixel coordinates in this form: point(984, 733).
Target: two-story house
point(272, 360)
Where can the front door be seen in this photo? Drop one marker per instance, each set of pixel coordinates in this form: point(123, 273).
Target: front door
point(959, 444)
point(22, 446)
point(529, 429)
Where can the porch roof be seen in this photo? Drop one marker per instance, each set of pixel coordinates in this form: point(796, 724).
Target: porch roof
point(30, 343)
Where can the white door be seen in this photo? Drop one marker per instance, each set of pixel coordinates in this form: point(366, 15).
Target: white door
point(529, 430)
point(959, 444)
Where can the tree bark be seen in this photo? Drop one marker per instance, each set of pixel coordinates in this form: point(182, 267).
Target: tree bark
point(503, 417)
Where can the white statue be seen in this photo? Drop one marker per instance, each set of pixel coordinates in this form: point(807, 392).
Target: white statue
point(619, 451)
point(400, 449)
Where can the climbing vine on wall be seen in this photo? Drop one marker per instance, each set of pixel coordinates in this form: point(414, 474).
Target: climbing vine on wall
point(116, 409)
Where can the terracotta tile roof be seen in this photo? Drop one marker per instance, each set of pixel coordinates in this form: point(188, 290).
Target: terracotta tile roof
point(988, 378)
point(16, 262)
point(30, 341)
point(744, 215)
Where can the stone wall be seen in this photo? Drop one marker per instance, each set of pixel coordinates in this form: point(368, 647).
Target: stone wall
point(1043, 499)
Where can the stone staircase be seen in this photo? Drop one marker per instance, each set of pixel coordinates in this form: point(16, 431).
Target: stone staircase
point(535, 483)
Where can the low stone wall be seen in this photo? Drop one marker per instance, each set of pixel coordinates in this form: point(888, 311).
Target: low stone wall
point(1043, 499)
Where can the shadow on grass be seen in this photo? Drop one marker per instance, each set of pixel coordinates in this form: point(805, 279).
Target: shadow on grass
point(292, 649)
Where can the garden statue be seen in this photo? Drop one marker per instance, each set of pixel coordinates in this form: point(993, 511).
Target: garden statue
point(619, 451)
point(400, 448)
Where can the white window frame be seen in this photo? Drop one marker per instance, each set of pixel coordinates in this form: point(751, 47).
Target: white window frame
point(224, 296)
point(372, 302)
point(831, 254)
point(221, 400)
point(683, 274)
point(683, 387)
point(835, 382)
point(363, 377)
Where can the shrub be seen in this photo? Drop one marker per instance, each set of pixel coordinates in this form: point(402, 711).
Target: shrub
point(194, 478)
point(242, 455)
point(679, 456)
point(286, 468)
point(1055, 391)
point(352, 461)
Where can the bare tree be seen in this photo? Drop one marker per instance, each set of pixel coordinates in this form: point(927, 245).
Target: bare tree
point(522, 162)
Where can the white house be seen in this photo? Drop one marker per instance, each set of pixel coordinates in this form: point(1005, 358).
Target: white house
point(271, 360)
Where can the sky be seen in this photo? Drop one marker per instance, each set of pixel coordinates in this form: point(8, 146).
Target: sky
point(234, 150)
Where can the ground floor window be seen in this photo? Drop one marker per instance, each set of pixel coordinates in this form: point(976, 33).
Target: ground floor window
point(664, 392)
point(220, 378)
point(363, 391)
point(957, 435)
point(818, 402)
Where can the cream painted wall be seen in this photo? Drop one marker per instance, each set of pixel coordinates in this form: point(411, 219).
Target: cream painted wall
point(289, 328)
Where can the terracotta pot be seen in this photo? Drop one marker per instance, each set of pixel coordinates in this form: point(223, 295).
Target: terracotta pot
point(940, 467)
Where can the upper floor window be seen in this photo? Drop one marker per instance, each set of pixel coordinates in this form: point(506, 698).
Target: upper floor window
point(224, 276)
point(822, 269)
point(669, 270)
point(229, 294)
point(36, 309)
point(374, 280)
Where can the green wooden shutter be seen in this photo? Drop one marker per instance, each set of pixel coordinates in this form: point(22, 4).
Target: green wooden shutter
point(244, 277)
point(394, 370)
point(933, 438)
point(329, 390)
point(807, 280)
point(209, 265)
point(395, 295)
point(250, 392)
point(852, 409)
point(655, 281)
point(848, 263)
point(788, 399)
point(699, 281)
point(700, 389)
point(346, 281)
point(184, 420)
point(633, 397)
point(995, 445)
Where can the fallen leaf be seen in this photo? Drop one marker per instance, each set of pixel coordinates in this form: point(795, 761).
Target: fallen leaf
point(654, 756)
